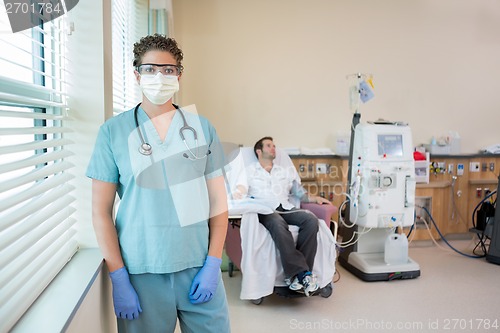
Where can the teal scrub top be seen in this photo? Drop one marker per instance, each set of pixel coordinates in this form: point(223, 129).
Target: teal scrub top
point(162, 219)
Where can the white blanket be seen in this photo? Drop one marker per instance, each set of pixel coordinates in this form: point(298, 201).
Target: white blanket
point(260, 262)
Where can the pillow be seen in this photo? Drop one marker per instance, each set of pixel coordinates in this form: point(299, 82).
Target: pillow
point(249, 205)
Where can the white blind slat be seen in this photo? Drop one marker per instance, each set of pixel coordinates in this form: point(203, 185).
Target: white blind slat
point(15, 307)
point(37, 189)
point(34, 130)
point(31, 115)
point(49, 237)
point(33, 70)
point(28, 101)
point(13, 286)
point(35, 205)
point(55, 211)
point(35, 145)
point(35, 175)
point(24, 93)
point(35, 160)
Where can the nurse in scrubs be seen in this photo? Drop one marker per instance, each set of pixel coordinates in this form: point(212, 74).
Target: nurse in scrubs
point(164, 246)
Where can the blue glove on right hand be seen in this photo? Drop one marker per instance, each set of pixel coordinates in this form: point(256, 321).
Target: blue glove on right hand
point(205, 282)
point(125, 299)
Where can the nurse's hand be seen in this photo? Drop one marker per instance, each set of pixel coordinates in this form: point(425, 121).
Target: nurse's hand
point(205, 282)
point(125, 299)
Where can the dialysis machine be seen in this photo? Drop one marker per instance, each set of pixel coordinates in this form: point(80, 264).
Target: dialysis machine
point(381, 198)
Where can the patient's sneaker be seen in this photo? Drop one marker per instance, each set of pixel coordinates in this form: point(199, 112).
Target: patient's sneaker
point(295, 284)
point(310, 284)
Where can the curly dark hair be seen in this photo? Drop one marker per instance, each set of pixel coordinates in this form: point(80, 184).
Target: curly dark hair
point(157, 42)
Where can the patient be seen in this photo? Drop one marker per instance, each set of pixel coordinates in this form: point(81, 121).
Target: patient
point(275, 184)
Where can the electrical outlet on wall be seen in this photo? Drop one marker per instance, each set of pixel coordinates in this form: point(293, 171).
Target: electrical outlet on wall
point(420, 203)
point(450, 168)
point(474, 167)
point(321, 168)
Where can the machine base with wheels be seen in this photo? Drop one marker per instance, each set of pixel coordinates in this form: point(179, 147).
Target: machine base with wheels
point(371, 267)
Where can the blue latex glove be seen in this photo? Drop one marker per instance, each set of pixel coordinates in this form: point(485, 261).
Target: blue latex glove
point(125, 299)
point(205, 282)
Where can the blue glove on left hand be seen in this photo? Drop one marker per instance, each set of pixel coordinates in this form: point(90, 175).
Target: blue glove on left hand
point(205, 282)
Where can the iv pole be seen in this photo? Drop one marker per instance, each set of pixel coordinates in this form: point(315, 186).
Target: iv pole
point(348, 233)
point(368, 264)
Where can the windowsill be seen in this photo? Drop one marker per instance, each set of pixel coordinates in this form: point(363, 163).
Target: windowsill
point(56, 306)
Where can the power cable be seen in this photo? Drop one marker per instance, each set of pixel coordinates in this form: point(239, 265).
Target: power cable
point(444, 239)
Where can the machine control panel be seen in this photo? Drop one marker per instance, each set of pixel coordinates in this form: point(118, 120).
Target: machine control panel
point(383, 176)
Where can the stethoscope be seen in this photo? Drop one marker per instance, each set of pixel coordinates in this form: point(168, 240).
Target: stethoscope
point(146, 149)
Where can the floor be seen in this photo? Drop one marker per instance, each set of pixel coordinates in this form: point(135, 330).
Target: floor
point(454, 293)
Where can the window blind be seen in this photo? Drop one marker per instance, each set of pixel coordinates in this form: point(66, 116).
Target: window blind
point(37, 237)
point(130, 23)
point(158, 21)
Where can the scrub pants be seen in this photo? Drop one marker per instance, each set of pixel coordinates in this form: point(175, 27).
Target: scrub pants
point(165, 297)
point(295, 259)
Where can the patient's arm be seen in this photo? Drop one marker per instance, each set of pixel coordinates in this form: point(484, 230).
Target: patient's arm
point(309, 198)
point(240, 192)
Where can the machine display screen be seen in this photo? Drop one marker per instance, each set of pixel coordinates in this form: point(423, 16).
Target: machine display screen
point(390, 145)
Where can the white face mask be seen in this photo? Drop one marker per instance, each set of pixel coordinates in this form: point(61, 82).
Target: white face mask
point(159, 88)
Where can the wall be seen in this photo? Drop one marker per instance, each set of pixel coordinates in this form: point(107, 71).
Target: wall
point(96, 313)
point(90, 98)
point(90, 103)
point(279, 67)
